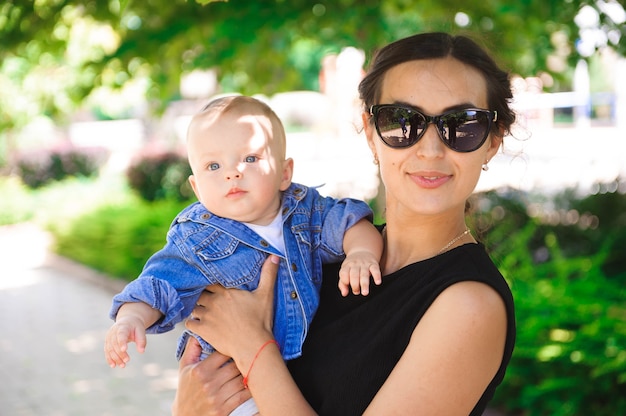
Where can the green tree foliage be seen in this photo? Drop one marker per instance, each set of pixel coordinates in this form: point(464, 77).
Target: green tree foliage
point(259, 46)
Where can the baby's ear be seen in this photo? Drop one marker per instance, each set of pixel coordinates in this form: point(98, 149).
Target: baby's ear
point(192, 182)
point(287, 174)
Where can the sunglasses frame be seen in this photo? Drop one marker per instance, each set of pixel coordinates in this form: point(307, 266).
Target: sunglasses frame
point(437, 121)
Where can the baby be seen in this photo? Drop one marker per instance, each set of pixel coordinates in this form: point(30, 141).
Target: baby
point(248, 209)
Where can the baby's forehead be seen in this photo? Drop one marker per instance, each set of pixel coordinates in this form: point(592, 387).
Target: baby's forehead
point(232, 115)
point(212, 126)
point(244, 115)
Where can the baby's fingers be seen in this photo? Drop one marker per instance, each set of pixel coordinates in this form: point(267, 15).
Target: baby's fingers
point(376, 274)
point(114, 359)
point(344, 281)
point(114, 355)
point(115, 347)
point(360, 281)
point(140, 340)
point(344, 288)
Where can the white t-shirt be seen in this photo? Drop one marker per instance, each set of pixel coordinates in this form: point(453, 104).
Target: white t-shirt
point(272, 233)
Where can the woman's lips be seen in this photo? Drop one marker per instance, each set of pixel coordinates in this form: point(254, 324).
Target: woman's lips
point(430, 180)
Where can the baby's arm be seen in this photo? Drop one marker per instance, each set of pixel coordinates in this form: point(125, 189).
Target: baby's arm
point(130, 326)
point(363, 246)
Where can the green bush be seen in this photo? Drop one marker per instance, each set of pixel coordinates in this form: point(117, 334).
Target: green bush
point(117, 239)
point(570, 355)
point(160, 175)
point(40, 167)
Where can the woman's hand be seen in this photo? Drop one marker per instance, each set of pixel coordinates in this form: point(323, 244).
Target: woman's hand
point(210, 387)
point(239, 324)
point(233, 321)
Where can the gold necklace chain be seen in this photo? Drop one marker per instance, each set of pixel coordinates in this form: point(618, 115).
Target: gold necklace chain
point(454, 240)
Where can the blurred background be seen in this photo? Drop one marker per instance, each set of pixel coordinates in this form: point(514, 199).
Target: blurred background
point(95, 97)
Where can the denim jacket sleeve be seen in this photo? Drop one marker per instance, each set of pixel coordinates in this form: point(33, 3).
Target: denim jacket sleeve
point(340, 215)
point(170, 282)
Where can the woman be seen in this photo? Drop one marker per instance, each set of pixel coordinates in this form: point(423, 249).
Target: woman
point(437, 335)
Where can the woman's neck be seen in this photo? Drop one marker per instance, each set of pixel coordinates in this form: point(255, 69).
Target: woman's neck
point(407, 242)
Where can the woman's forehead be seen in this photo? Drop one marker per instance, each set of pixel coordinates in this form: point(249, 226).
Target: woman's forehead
point(434, 84)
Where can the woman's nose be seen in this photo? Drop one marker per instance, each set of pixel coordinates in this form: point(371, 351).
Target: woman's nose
point(430, 144)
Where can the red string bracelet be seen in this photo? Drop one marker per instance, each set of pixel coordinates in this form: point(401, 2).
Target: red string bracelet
point(245, 379)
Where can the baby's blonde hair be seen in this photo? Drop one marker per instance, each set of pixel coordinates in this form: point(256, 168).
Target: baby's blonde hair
point(242, 104)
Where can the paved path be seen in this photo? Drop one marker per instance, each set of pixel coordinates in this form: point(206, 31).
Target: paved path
point(54, 317)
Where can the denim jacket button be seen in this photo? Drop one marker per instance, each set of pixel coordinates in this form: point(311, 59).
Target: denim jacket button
point(264, 243)
point(294, 295)
point(205, 216)
point(294, 267)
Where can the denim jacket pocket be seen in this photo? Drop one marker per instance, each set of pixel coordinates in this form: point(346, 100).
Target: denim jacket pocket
point(229, 262)
point(307, 234)
point(308, 237)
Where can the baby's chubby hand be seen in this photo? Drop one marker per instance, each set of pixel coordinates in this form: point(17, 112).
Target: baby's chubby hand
point(125, 329)
point(355, 273)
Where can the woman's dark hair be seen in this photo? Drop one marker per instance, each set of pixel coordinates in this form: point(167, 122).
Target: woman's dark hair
point(440, 45)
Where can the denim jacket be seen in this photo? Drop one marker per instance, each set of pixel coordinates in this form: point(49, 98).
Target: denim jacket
point(204, 249)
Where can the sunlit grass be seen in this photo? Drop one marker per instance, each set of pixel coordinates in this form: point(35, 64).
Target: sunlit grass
point(16, 202)
point(57, 203)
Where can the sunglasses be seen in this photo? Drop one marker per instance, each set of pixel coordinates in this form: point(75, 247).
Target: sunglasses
point(461, 130)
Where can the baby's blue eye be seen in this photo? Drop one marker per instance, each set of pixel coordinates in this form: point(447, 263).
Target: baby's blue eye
point(251, 159)
point(214, 166)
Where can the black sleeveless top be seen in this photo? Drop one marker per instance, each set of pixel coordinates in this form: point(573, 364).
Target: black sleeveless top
point(355, 342)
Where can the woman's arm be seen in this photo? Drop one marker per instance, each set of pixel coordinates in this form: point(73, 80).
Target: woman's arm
point(238, 323)
point(452, 356)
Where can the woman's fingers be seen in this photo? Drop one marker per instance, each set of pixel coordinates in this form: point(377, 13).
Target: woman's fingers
point(206, 294)
point(267, 280)
point(269, 272)
point(228, 318)
point(192, 353)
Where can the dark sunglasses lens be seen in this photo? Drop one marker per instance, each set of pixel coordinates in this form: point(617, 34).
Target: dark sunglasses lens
point(465, 131)
point(399, 126)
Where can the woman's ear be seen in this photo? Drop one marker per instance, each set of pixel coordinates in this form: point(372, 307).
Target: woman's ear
point(494, 144)
point(368, 128)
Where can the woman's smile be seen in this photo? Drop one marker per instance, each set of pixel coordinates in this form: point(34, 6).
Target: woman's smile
point(430, 179)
